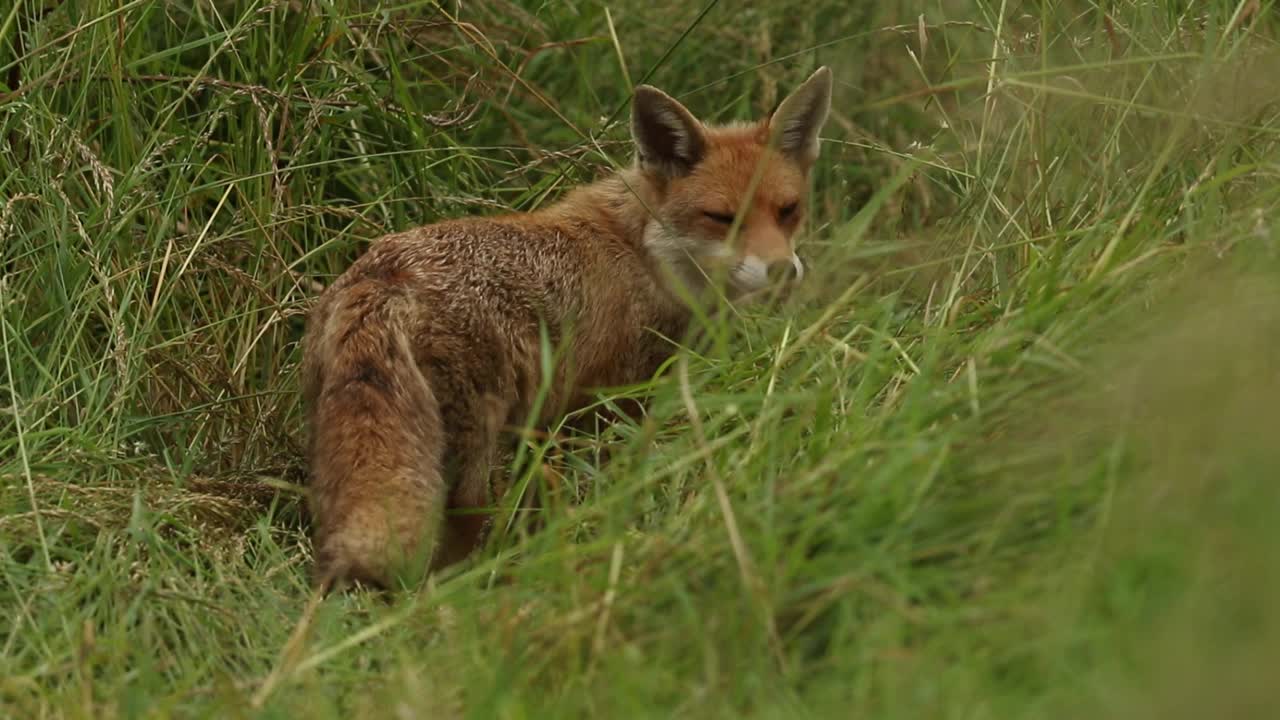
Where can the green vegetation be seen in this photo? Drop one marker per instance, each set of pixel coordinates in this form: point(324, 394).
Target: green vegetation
point(1013, 452)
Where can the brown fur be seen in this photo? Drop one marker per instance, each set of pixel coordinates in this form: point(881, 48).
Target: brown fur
point(419, 355)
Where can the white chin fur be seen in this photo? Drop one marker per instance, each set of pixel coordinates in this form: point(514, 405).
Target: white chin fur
point(682, 255)
point(750, 275)
point(693, 260)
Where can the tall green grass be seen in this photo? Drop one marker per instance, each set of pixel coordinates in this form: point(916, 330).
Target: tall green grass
point(1012, 452)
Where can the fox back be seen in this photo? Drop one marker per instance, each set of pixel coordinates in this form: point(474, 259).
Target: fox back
point(419, 357)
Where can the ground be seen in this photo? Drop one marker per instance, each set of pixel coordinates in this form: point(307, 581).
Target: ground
point(1010, 452)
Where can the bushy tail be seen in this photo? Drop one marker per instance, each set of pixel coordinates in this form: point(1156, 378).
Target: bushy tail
point(377, 496)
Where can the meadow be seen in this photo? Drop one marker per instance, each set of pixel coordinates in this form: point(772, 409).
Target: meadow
point(1013, 450)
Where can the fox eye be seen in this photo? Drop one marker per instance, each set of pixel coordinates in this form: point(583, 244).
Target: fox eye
point(786, 212)
point(722, 218)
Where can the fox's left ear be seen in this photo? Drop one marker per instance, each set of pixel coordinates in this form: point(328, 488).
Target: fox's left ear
point(798, 120)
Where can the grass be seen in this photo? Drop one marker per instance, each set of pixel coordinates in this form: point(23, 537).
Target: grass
point(1011, 453)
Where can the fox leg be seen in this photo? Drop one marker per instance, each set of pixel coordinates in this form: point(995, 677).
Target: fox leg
point(470, 502)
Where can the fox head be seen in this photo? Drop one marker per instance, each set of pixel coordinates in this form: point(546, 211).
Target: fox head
point(728, 199)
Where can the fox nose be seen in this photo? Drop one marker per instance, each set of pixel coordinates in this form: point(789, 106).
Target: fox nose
point(785, 272)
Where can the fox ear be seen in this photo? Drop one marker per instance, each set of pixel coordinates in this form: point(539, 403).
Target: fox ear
point(668, 137)
point(798, 120)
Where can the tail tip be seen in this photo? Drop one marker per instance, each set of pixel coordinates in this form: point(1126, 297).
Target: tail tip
point(336, 571)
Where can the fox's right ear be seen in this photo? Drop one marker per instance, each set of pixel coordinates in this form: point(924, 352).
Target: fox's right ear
point(669, 139)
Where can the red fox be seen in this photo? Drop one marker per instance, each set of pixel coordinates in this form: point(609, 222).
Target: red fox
point(419, 355)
